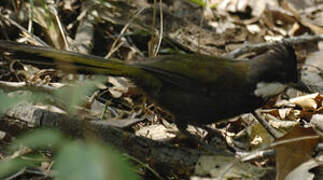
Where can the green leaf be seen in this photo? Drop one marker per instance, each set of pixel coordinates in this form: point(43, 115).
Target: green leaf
point(79, 161)
point(199, 2)
point(42, 138)
point(8, 102)
point(8, 167)
point(74, 94)
point(203, 3)
point(17, 97)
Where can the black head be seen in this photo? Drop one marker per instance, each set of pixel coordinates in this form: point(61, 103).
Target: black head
point(278, 64)
point(274, 70)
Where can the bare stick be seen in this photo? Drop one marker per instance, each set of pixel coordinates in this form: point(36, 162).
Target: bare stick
point(262, 46)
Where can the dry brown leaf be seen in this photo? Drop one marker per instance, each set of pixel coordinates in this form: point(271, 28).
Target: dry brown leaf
point(227, 167)
point(233, 5)
point(257, 7)
point(283, 113)
point(121, 86)
point(253, 28)
point(295, 28)
point(47, 20)
point(302, 172)
point(156, 132)
point(259, 135)
point(277, 20)
point(302, 19)
point(274, 112)
point(282, 118)
point(300, 4)
point(306, 102)
point(292, 154)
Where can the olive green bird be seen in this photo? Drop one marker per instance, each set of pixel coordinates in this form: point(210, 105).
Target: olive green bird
point(197, 89)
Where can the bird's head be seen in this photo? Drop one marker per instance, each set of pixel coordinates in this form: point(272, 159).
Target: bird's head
point(275, 70)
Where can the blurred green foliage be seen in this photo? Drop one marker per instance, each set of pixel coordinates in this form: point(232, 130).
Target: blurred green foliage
point(74, 160)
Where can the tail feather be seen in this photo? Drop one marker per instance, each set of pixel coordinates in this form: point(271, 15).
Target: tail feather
point(66, 60)
point(78, 63)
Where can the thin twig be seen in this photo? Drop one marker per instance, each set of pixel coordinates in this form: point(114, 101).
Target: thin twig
point(145, 165)
point(262, 46)
point(151, 42)
point(293, 140)
point(30, 14)
point(14, 86)
point(273, 132)
point(32, 36)
point(161, 28)
point(258, 155)
point(113, 47)
point(251, 155)
point(52, 8)
point(14, 176)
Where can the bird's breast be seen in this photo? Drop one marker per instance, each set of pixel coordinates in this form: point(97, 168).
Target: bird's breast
point(269, 89)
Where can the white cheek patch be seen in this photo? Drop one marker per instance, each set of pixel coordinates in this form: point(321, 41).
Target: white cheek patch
point(269, 89)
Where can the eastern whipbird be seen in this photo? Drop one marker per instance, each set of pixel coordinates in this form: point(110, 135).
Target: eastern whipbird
point(197, 89)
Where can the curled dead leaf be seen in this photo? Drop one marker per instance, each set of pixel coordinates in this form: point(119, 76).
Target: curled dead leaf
point(307, 102)
point(291, 154)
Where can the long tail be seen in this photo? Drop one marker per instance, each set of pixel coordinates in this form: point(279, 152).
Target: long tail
point(79, 63)
point(65, 60)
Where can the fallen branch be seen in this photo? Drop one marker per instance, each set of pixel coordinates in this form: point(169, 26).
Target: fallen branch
point(156, 154)
point(262, 46)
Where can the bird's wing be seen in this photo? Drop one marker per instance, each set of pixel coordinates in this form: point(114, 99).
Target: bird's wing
point(195, 71)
